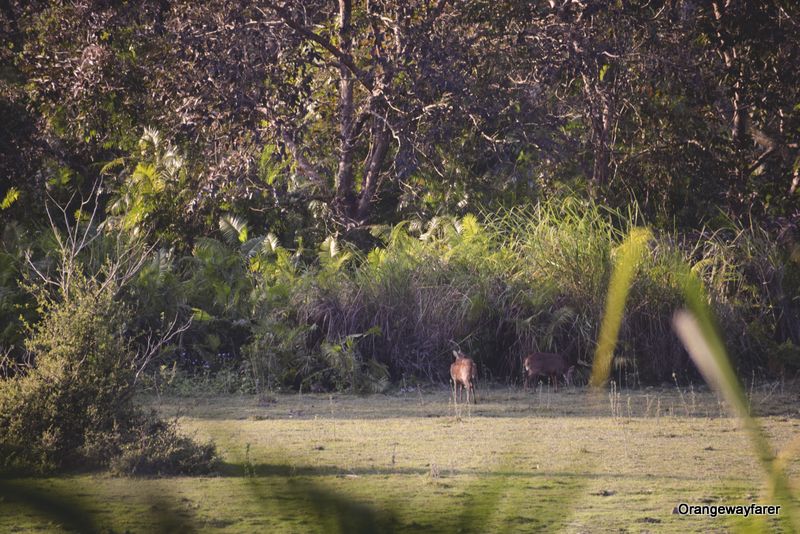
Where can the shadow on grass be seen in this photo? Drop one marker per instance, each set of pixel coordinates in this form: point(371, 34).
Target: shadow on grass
point(484, 510)
point(691, 402)
point(333, 512)
point(64, 510)
point(67, 513)
point(256, 470)
point(496, 502)
point(485, 502)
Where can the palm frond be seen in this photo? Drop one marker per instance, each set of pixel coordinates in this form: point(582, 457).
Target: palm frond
point(233, 228)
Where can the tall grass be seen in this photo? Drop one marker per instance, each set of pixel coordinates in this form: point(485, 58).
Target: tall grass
point(498, 284)
point(506, 283)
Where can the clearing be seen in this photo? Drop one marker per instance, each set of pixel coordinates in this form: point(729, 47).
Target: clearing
point(574, 461)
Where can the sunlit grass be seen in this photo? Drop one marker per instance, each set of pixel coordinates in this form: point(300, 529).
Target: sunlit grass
point(541, 460)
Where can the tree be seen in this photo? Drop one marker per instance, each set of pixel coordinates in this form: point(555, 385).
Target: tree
point(336, 115)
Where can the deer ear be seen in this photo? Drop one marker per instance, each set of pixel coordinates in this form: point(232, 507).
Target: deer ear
point(455, 354)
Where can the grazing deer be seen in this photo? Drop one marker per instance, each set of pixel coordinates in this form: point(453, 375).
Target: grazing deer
point(547, 364)
point(463, 373)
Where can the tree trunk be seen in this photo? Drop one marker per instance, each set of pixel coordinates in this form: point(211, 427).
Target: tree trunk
point(602, 153)
point(600, 114)
point(380, 145)
point(344, 201)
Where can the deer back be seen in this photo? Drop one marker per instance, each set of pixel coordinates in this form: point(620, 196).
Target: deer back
point(463, 369)
point(545, 363)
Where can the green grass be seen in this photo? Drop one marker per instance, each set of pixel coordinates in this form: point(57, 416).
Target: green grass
point(575, 461)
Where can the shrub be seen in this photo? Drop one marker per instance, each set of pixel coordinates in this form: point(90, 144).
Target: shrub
point(173, 380)
point(156, 447)
point(72, 406)
point(79, 384)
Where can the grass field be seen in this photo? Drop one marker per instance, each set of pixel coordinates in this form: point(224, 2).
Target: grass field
point(574, 461)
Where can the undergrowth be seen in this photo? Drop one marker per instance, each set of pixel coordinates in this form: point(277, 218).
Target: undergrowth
point(506, 283)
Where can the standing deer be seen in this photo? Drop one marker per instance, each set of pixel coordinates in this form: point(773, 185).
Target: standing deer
point(547, 364)
point(463, 373)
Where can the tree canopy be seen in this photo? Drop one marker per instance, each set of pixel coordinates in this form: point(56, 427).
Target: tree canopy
point(337, 115)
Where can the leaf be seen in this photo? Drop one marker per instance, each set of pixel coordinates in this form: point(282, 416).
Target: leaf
point(376, 257)
point(603, 71)
point(11, 196)
point(111, 165)
point(272, 240)
point(470, 227)
point(329, 248)
point(208, 249)
point(252, 246)
point(629, 256)
point(201, 315)
point(233, 228)
point(268, 169)
point(150, 138)
point(82, 216)
point(374, 331)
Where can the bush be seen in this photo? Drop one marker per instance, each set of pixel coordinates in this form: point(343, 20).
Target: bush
point(72, 407)
point(173, 380)
point(155, 447)
point(80, 383)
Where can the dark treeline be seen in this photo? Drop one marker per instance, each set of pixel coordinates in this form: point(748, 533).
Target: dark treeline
point(334, 192)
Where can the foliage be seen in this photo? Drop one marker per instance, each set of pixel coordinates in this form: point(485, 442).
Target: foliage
point(518, 281)
point(16, 305)
point(310, 172)
point(157, 447)
point(307, 114)
point(79, 384)
point(343, 191)
point(70, 403)
point(72, 407)
point(150, 196)
point(236, 377)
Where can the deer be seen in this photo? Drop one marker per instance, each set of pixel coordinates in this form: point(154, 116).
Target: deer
point(547, 364)
point(463, 373)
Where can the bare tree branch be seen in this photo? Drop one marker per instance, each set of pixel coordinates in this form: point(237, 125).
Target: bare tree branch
point(155, 343)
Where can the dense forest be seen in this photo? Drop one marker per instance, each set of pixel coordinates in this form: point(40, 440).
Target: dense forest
point(321, 195)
